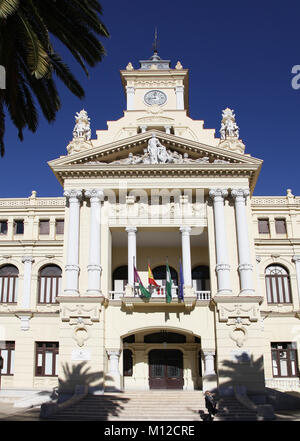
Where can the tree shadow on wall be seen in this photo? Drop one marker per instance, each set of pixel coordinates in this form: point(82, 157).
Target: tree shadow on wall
point(94, 406)
point(244, 376)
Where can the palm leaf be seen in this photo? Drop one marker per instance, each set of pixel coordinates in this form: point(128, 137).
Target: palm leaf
point(8, 7)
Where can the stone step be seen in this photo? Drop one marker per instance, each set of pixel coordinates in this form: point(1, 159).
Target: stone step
point(152, 406)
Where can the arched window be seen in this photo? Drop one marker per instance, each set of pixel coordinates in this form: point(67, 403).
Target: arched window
point(278, 284)
point(160, 274)
point(127, 363)
point(49, 283)
point(120, 278)
point(201, 279)
point(9, 284)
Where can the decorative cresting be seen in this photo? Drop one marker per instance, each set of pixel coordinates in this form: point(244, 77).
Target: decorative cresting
point(80, 317)
point(81, 134)
point(96, 196)
point(74, 197)
point(245, 266)
point(230, 132)
point(238, 316)
point(222, 268)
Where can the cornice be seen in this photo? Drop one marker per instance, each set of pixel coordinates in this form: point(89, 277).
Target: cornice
point(77, 165)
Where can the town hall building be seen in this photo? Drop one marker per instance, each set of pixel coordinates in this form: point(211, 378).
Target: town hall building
point(157, 268)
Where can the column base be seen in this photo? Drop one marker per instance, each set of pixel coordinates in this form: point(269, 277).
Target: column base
point(94, 293)
point(209, 382)
point(71, 292)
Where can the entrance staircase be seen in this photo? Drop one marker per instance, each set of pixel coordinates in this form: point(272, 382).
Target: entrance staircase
point(160, 405)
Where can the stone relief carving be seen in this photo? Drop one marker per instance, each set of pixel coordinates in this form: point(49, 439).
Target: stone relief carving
point(239, 310)
point(156, 153)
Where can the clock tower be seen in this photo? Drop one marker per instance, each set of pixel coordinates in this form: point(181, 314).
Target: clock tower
point(157, 97)
point(154, 84)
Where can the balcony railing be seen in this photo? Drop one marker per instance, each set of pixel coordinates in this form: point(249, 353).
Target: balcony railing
point(159, 294)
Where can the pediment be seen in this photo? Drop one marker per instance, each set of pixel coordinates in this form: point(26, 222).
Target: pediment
point(132, 155)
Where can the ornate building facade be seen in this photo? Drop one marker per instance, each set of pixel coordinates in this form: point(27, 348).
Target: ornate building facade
point(155, 194)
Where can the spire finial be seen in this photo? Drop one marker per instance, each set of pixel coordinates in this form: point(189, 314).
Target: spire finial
point(155, 44)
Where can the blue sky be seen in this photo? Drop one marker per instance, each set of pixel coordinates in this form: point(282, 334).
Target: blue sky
point(240, 55)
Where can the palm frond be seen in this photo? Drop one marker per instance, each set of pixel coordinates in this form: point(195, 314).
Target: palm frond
point(8, 7)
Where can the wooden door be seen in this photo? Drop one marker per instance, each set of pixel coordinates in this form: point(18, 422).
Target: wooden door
point(165, 369)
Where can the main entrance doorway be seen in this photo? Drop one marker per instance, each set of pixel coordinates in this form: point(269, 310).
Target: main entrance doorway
point(165, 369)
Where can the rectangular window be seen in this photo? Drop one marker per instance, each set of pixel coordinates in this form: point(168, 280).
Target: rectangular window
point(19, 227)
point(44, 227)
point(280, 226)
point(59, 226)
point(46, 359)
point(7, 353)
point(3, 227)
point(263, 226)
point(284, 359)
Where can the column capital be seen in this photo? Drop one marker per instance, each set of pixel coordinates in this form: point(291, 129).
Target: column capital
point(26, 259)
point(240, 194)
point(296, 258)
point(113, 352)
point(73, 194)
point(258, 259)
point(218, 193)
point(94, 194)
point(185, 229)
point(131, 229)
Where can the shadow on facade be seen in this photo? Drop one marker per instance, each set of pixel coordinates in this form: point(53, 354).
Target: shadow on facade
point(245, 378)
point(78, 379)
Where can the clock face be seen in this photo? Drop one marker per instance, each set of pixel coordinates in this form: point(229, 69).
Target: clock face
point(155, 97)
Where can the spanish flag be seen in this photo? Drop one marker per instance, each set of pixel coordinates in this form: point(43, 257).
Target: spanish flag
point(151, 280)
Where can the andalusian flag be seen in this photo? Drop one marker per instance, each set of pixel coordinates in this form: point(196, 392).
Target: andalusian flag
point(151, 280)
point(144, 292)
point(168, 285)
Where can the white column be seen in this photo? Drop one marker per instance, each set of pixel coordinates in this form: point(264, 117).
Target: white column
point(96, 196)
point(296, 259)
point(114, 377)
point(180, 97)
point(186, 255)
point(168, 129)
point(143, 128)
point(72, 258)
point(222, 267)
point(131, 253)
point(130, 97)
point(28, 261)
point(245, 266)
point(209, 362)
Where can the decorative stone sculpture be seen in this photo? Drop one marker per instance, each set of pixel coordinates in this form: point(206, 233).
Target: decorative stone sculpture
point(82, 127)
point(230, 132)
point(229, 128)
point(81, 133)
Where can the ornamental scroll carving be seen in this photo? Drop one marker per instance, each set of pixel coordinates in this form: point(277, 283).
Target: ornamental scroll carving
point(238, 317)
point(80, 317)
